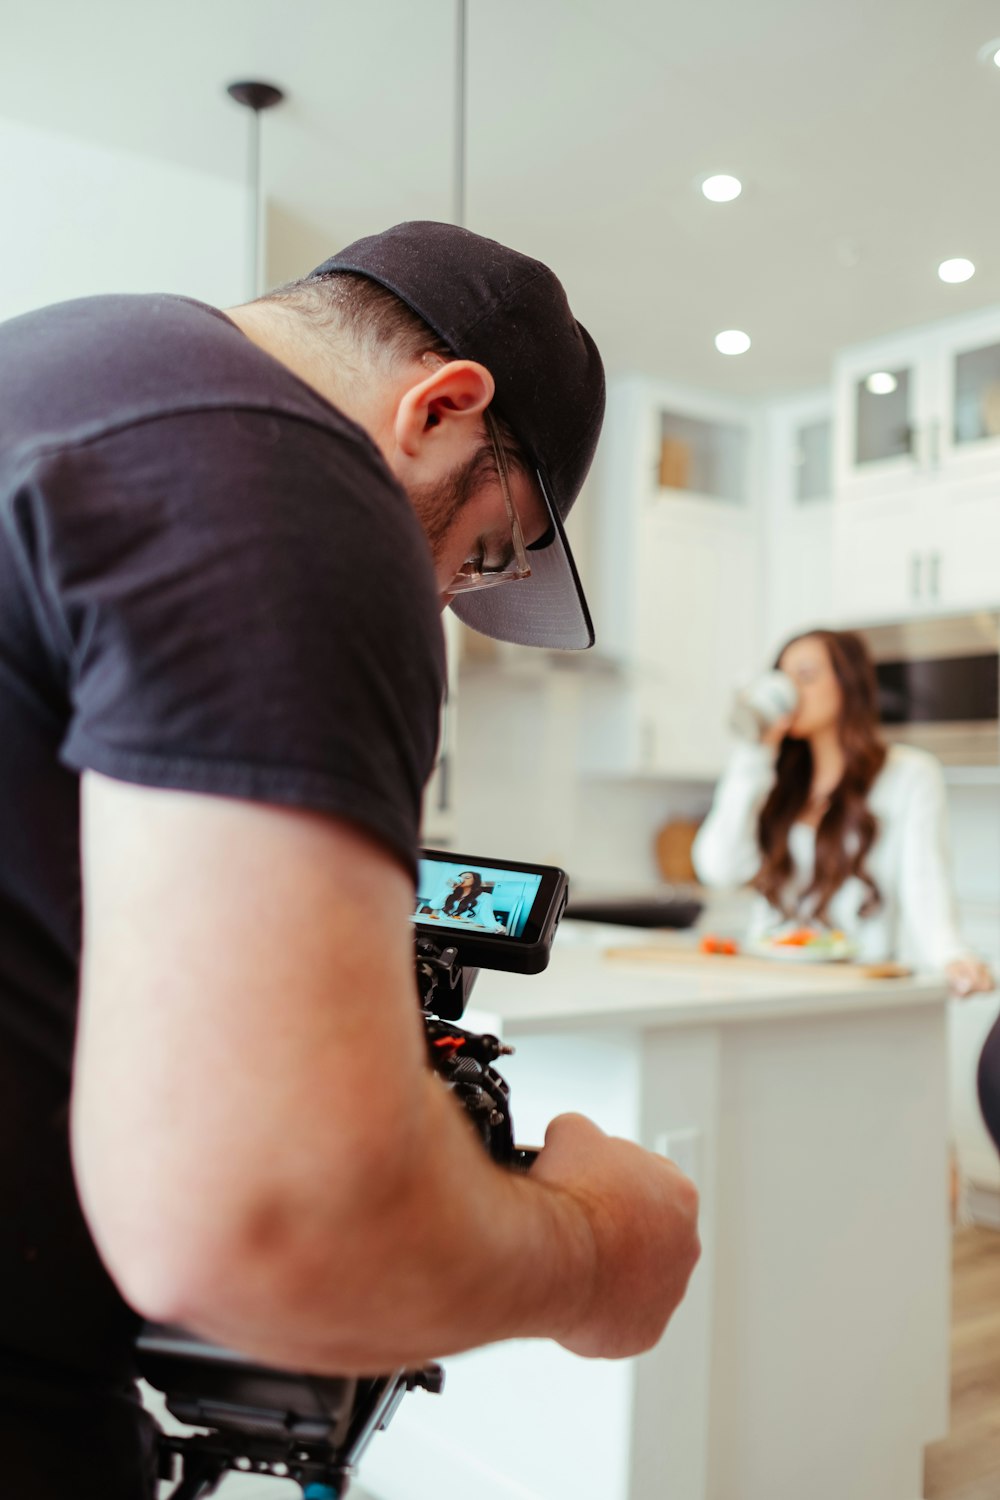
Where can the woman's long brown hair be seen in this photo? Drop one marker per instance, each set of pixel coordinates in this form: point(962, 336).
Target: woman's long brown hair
point(848, 827)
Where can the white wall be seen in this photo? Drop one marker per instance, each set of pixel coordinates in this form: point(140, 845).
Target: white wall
point(77, 219)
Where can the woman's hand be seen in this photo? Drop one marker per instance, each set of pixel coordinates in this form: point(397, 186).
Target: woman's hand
point(968, 976)
point(773, 737)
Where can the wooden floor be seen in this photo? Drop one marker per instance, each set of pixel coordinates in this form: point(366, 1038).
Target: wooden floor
point(966, 1464)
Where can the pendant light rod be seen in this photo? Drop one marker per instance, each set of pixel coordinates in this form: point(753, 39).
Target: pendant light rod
point(255, 97)
point(461, 107)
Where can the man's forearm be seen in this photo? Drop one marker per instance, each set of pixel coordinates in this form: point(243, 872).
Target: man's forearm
point(460, 1253)
point(260, 1149)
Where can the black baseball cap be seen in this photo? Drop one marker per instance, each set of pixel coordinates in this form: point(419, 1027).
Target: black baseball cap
point(508, 312)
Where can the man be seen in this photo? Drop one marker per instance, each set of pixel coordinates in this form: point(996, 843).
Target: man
point(224, 543)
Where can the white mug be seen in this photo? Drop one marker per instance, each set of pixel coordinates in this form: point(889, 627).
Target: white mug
point(762, 703)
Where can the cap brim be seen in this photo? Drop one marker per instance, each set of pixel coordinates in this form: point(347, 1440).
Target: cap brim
point(547, 609)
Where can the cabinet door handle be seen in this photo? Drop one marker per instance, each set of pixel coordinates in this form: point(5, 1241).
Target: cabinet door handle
point(933, 574)
point(916, 575)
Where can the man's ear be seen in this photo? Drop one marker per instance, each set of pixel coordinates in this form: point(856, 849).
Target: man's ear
point(446, 404)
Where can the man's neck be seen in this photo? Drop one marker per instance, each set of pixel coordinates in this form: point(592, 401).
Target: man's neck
point(321, 362)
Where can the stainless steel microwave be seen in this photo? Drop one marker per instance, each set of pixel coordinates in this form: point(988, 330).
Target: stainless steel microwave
point(939, 685)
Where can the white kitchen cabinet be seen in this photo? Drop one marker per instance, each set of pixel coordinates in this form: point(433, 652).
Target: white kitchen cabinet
point(917, 473)
point(677, 593)
point(933, 551)
point(797, 517)
point(699, 619)
point(882, 552)
point(965, 568)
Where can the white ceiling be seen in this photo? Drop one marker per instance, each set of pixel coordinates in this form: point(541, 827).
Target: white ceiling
point(865, 133)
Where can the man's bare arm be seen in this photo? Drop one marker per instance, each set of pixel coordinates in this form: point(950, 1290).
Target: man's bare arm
point(261, 1150)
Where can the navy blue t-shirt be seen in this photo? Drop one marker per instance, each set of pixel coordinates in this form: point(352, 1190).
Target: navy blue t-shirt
point(209, 580)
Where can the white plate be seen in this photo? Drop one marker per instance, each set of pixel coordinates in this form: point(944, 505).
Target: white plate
point(827, 953)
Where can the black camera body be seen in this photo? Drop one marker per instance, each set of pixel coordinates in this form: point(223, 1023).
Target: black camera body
point(314, 1429)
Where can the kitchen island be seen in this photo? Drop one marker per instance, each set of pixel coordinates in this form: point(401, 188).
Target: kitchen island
point(810, 1357)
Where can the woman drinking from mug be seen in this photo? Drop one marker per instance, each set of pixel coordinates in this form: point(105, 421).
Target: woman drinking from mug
point(833, 828)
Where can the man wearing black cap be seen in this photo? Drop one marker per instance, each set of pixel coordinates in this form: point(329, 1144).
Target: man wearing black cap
point(224, 543)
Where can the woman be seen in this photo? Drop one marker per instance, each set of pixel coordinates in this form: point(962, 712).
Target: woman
point(468, 900)
point(833, 827)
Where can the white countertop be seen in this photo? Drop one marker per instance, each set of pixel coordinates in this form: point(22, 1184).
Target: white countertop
point(584, 987)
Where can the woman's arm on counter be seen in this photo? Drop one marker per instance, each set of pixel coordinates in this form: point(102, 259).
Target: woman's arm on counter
point(927, 898)
point(726, 851)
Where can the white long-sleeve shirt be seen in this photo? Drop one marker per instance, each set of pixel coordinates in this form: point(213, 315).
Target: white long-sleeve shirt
point(916, 923)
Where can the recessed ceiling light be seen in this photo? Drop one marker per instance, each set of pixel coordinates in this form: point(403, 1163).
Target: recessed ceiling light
point(956, 270)
point(721, 188)
point(881, 383)
point(732, 341)
point(989, 52)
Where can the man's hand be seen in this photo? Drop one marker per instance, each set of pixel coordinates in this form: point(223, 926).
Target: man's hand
point(642, 1213)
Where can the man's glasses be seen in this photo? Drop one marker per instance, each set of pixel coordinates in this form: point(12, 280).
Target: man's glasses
point(497, 560)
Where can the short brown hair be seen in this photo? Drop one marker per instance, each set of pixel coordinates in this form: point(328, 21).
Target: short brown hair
point(379, 324)
point(371, 316)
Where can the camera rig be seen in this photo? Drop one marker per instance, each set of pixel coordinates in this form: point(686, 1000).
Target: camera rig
point(307, 1428)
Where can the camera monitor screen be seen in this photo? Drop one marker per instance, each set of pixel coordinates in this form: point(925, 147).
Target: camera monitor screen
point(485, 899)
point(486, 906)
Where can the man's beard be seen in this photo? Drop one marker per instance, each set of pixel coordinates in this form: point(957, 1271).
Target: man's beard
point(438, 503)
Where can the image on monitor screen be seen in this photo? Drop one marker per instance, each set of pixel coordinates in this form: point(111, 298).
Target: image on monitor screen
point(483, 898)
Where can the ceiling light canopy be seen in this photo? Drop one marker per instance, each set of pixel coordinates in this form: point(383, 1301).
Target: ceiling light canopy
point(721, 188)
point(732, 341)
point(956, 270)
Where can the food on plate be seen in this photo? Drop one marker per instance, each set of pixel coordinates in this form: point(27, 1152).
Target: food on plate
point(807, 937)
point(724, 946)
point(794, 941)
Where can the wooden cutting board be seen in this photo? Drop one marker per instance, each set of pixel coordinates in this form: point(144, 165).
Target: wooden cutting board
point(660, 956)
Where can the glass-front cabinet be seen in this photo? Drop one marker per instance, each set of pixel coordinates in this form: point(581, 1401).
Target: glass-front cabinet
point(970, 397)
point(921, 407)
point(811, 457)
point(917, 471)
point(701, 456)
point(885, 397)
point(883, 421)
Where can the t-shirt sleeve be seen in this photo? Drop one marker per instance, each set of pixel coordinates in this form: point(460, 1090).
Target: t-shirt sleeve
point(245, 606)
